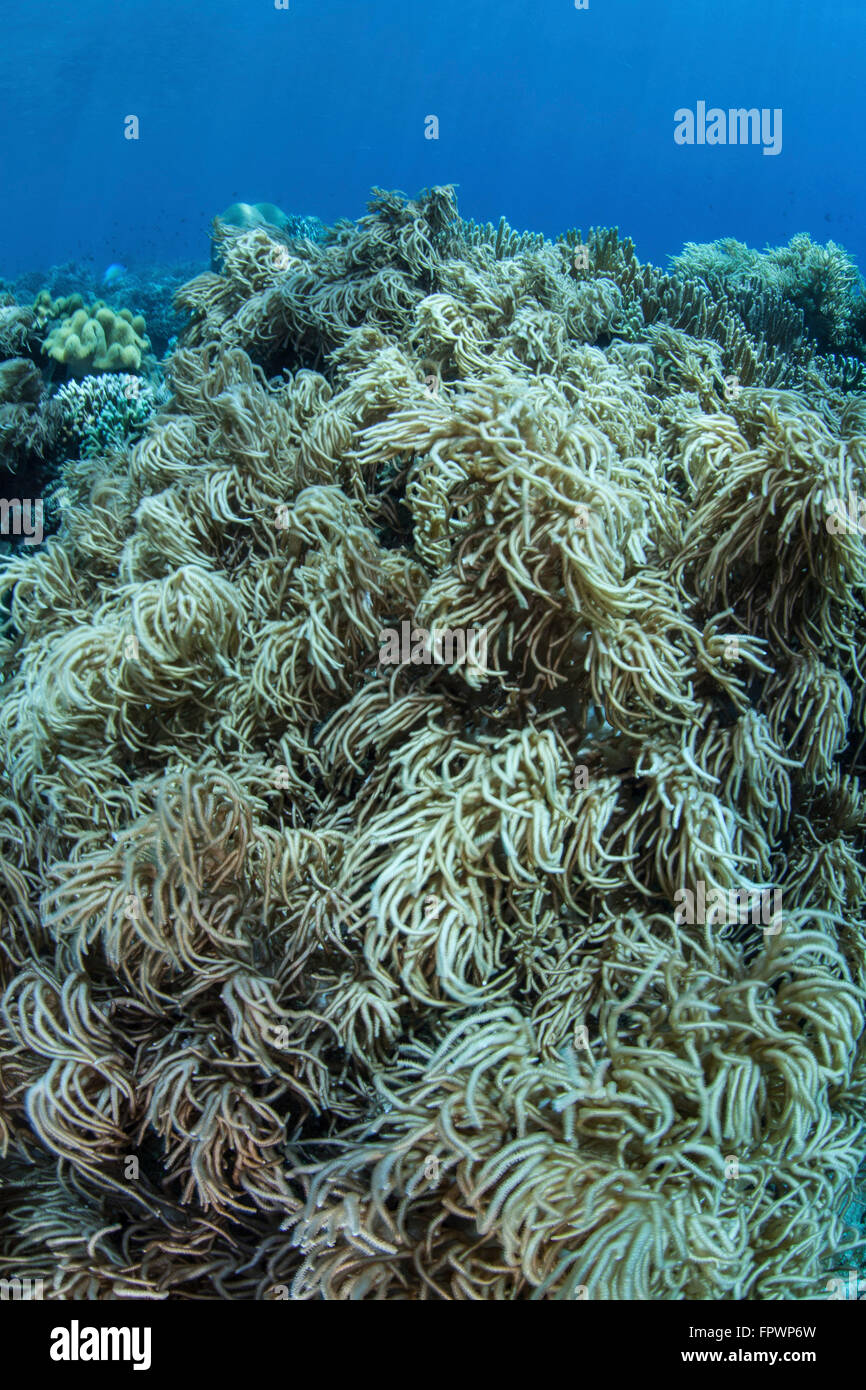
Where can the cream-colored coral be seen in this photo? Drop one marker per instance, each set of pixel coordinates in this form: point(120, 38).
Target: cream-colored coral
point(376, 970)
point(99, 339)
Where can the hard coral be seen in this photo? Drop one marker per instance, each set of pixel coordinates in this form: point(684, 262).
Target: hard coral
point(100, 413)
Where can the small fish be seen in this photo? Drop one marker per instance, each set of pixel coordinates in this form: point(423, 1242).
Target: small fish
point(113, 273)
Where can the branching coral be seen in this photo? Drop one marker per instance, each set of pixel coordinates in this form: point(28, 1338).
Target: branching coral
point(105, 412)
point(353, 979)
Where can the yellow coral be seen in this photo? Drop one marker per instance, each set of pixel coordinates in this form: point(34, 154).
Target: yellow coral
point(99, 340)
point(46, 309)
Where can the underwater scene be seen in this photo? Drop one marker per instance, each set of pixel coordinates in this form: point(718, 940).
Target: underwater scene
point(432, 654)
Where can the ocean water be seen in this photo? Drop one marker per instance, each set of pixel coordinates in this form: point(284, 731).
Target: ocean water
point(551, 116)
point(432, 659)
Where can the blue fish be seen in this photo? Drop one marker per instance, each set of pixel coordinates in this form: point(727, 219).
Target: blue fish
point(114, 272)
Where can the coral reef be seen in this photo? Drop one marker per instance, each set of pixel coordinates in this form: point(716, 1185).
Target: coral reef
point(267, 216)
point(149, 291)
point(43, 425)
point(821, 282)
point(18, 335)
point(21, 424)
point(100, 413)
point(98, 340)
point(340, 979)
point(28, 437)
point(146, 289)
point(46, 309)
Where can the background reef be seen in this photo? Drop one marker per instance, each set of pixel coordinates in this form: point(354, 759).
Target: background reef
point(342, 980)
point(78, 372)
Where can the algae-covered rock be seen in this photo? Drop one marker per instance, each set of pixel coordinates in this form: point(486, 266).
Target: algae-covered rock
point(254, 215)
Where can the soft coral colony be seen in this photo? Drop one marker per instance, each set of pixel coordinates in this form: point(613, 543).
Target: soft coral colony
point(329, 978)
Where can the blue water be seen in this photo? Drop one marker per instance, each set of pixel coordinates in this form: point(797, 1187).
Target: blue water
point(552, 116)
